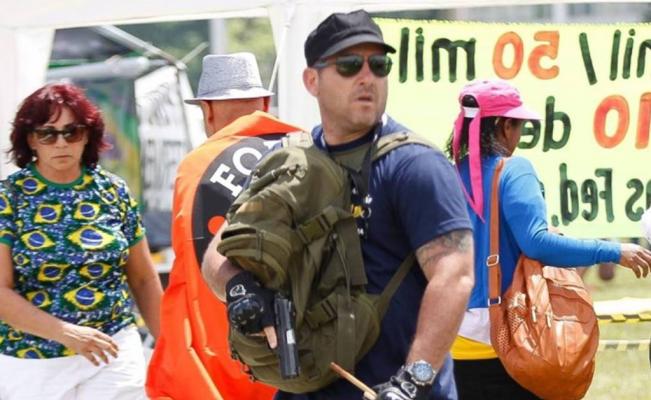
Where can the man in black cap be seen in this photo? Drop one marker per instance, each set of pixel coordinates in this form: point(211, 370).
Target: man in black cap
point(415, 205)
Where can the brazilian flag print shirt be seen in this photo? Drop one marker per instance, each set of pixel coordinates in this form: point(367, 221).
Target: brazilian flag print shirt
point(69, 244)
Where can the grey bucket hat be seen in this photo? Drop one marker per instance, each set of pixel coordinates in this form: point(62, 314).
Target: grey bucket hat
point(229, 76)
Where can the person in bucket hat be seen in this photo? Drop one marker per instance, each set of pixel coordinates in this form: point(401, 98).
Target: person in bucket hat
point(417, 207)
point(487, 129)
point(229, 87)
point(234, 105)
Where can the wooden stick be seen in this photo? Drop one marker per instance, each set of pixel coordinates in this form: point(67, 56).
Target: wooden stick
point(370, 396)
point(369, 393)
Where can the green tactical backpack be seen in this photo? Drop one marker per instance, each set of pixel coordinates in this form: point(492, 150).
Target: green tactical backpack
point(294, 230)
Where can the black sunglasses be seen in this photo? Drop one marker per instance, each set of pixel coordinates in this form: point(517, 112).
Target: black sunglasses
point(350, 65)
point(71, 133)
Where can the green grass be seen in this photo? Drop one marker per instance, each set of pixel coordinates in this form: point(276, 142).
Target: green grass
point(621, 375)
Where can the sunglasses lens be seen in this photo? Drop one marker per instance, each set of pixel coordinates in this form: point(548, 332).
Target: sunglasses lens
point(380, 65)
point(74, 134)
point(349, 65)
point(46, 135)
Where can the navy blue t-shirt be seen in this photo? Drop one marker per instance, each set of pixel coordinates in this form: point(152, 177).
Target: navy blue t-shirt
point(416, 198)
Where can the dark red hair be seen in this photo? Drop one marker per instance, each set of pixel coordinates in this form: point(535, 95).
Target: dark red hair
point(46, 103)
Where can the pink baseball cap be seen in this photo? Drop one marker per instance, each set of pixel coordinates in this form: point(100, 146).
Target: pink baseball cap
point(496, 98)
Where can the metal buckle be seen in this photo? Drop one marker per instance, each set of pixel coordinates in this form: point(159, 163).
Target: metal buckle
point(492, 260)
point(496, 302)
point(324, 224)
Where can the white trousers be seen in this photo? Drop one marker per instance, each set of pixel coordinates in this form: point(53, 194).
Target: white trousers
point(76, 378)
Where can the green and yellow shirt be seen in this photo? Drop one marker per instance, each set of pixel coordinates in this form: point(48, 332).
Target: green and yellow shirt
point(69, 245)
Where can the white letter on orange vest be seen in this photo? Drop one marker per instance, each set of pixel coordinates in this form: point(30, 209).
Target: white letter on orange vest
point(225, 180)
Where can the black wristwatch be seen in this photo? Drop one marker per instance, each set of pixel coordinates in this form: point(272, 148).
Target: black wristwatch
point(421, 373)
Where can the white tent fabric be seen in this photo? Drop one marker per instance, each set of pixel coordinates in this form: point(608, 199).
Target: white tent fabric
point(22, 71)
point(26, 32)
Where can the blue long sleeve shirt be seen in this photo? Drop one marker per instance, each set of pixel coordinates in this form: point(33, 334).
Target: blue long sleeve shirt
point(523, 228)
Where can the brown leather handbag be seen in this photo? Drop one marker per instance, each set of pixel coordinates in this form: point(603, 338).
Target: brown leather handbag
point(544, 329)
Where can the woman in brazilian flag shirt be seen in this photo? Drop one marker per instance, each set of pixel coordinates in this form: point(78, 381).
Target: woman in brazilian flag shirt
point(71, 247)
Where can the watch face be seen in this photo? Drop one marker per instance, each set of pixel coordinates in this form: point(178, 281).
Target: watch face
point(422, 372)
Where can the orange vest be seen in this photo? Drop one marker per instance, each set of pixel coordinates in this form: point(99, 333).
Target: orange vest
point(192, 359)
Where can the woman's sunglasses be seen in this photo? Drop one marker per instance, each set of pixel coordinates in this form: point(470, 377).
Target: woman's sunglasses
point(350, 65)
point(71, 133)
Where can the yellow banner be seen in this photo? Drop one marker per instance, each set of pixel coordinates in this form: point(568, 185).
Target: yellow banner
point(591, 84)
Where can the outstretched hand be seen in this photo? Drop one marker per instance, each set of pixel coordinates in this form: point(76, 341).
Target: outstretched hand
point(636, 258)
point(89, 343)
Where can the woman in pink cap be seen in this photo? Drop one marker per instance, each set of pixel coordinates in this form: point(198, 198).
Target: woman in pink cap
point(487, 129)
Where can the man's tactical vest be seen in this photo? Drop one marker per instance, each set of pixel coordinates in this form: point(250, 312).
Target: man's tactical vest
point(295, 229)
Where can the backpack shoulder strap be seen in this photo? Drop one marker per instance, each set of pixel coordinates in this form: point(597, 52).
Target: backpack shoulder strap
point(380, 147)
point(383, 146)
point(297, 139)
point(382, 302)
point(389, 142)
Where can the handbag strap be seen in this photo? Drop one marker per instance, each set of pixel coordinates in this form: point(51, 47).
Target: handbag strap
point(493, 259)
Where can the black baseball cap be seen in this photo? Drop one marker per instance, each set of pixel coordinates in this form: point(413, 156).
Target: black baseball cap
point(340, 31)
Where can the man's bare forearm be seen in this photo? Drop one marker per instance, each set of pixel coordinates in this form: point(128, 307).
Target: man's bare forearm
point(447, 262)
point(216, 269)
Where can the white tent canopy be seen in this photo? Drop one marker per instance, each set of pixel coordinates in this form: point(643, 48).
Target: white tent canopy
point(27, 27)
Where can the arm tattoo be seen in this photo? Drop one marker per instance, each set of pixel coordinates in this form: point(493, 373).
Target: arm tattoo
point(452, 242)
